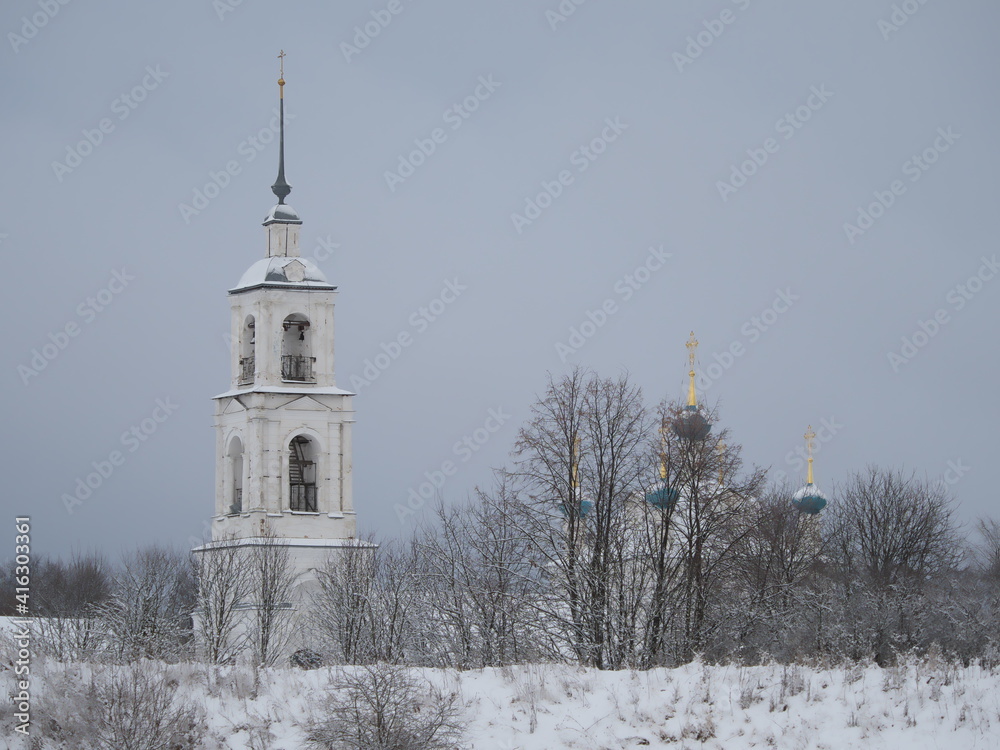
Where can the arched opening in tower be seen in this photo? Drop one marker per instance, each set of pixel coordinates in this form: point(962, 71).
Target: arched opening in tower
point(248, 346)
point(296, 362)
point(302, 475)
point(235, 455)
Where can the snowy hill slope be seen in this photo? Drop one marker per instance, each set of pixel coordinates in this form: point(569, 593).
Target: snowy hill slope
point(922, 704)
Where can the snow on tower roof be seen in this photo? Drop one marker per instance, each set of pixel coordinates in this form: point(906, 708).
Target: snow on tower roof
point(283, 271)
point(282, 213)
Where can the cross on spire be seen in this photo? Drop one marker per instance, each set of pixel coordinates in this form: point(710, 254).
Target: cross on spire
point(281, 74)
point(692, 347)
point(280, 187)
point(810, 436)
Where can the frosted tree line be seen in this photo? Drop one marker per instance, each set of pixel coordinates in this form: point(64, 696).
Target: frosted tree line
point(611, 540)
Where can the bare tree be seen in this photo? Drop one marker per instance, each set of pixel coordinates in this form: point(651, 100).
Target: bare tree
point(270, 586)
point(368, 603)
point(224, 584)
point(66, 597)
point(696, 539)
point(892, 528)
point(781, 549)
point(482, 574)
point(582, 456)
point(781, 546)
point(510, 579)
point(384, 707)
point(987, 553)
point(340, 615)
point(148, 613)
point(890, 535)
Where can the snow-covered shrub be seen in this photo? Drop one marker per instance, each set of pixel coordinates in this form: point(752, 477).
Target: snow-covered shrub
point(66, 707)
point(119, 708)
point(147, 615)
point(383, 707)
point(140, 710)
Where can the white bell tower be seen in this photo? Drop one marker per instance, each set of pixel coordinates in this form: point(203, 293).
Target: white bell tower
point(283, 428)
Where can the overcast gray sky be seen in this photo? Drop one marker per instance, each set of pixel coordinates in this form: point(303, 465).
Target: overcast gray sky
point(811, 112)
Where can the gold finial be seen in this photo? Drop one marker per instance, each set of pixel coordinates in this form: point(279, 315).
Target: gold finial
point(692, 347)
point(281, 74)
point(576, 462)
point(810, 436)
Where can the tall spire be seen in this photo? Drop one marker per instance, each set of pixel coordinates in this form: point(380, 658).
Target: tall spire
point(692, 347)
point(281, 188)
point(809, 436)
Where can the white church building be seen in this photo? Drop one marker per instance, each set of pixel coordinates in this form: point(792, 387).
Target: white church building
point(283, 427)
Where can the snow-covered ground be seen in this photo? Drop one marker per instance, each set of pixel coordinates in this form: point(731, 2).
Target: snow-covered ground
point(923, 704)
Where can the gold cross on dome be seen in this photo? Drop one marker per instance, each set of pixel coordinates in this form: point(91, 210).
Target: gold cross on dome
point(692, 347)
point(281, 60)
point(809, 436)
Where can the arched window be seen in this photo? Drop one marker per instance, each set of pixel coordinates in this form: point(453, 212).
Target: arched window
point(235, 484)
point(302, 475)
point(247, 349)
point(296, 359)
